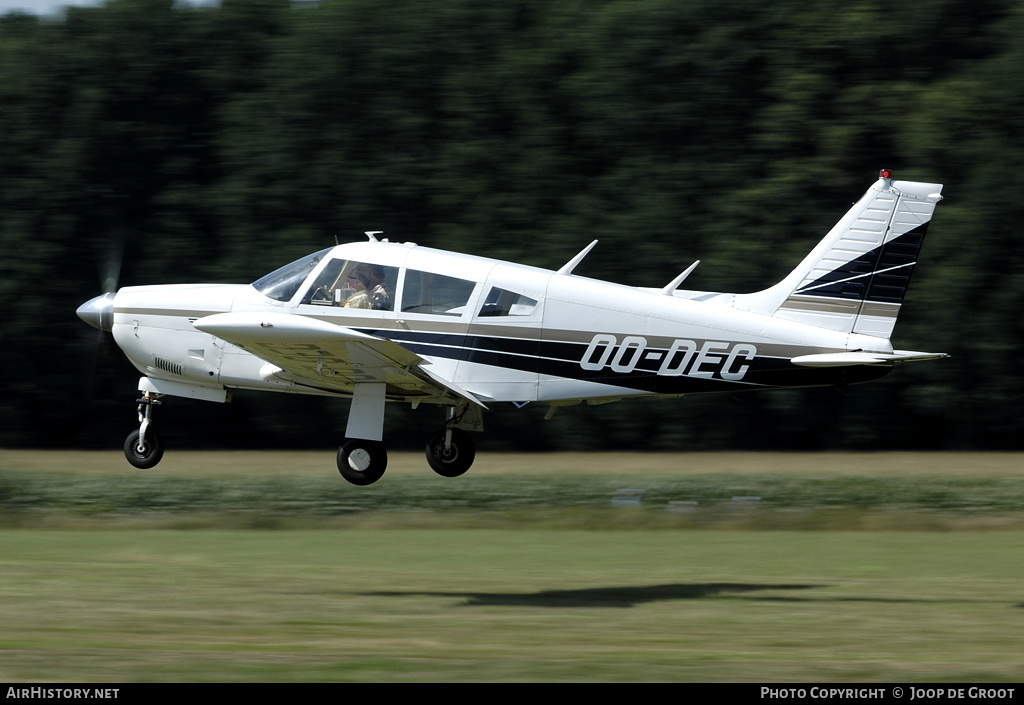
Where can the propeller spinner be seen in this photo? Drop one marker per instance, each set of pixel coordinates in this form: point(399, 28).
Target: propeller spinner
point(98, 312)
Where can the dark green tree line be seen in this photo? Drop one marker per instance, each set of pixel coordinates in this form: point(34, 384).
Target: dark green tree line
point(144, 143)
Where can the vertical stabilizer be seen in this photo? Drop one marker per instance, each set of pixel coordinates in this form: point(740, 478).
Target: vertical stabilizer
point(855, 279)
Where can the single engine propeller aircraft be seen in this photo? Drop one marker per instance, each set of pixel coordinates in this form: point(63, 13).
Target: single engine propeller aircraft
point(379, 321)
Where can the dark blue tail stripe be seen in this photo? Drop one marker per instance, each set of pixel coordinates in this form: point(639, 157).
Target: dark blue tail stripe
point(881, 274)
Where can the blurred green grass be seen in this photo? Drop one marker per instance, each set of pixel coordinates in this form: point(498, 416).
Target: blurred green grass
point(430, 605)
point(892, 568)
point(303, 490)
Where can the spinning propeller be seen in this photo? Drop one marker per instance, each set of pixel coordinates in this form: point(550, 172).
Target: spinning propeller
point(98, 311)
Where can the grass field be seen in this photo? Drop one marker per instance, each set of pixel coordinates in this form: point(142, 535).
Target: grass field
point(268, 567)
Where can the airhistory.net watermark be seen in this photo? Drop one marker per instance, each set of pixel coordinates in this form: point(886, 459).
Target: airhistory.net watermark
point(38, 692)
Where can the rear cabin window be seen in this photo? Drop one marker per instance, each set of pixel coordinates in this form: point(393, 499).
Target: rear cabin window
point(501, 302)
point(425, 292)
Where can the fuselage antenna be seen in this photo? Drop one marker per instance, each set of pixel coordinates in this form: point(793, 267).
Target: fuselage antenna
point(571, 264)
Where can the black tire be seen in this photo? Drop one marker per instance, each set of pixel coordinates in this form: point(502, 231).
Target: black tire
point(149, 454)
point(362, 462)
point(457, 459)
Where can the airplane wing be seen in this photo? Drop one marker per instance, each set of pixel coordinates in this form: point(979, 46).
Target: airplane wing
point(322, 355)
point(845, 359)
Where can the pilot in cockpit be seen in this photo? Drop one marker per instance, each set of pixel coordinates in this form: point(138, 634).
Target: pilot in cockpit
point(357, 289)
point(352, 285)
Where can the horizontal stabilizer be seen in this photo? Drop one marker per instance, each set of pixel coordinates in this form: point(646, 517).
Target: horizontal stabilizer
point(846, 359)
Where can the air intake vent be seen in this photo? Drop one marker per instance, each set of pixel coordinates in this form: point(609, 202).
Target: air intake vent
point(167, 366)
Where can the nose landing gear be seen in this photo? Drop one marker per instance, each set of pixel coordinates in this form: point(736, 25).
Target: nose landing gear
point(143, 447)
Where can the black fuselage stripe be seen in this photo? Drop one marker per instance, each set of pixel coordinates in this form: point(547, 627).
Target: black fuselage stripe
point(561, 359)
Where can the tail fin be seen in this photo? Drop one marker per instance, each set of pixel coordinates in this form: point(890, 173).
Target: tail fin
point(855, 279)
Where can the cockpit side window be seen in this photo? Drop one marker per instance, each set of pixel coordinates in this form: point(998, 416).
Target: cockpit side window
point(501, 302)
point(425, 292)
point(353, 284)
point(281, 284)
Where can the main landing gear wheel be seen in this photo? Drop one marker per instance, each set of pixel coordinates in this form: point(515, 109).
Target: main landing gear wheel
point(362, 462)
point(456, 458)
point(146, 454)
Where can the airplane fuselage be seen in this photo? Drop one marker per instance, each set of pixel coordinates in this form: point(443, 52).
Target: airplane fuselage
point(380, 321)
point(570, 338)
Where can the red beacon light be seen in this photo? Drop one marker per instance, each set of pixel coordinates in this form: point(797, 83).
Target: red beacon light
point(885, 173)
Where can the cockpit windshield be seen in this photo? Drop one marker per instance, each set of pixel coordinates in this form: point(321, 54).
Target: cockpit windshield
point(281, 284)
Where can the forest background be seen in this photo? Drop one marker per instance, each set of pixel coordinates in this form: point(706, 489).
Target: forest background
point(145, 143)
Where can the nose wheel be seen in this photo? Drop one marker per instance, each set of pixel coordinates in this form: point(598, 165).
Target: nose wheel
point(143, 447)
point(143, 453)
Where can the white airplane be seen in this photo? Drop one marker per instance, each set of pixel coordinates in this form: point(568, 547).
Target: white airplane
point(379, 321)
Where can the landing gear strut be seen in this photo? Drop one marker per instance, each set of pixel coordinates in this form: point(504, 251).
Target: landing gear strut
point(143, 448)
